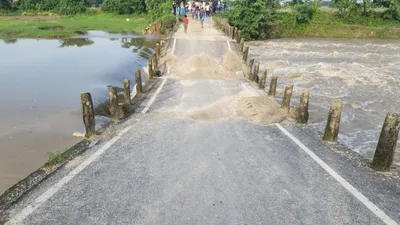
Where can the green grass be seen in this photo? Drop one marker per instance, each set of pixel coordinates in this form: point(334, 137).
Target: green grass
point(326, 25)
point(69, 26)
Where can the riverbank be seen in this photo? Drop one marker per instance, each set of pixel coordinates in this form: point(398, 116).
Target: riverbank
point(325, 25)
point(54, 27)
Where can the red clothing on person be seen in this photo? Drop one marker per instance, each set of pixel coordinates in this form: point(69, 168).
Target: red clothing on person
point(185, 20)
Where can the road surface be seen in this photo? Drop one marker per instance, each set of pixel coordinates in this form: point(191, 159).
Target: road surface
point(190, 158)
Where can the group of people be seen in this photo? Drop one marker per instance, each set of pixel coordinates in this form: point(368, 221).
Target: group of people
point(198, 10)
point(210, 7)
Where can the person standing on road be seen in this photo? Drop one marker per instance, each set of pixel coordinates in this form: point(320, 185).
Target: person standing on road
point(186, 23)
point(202, 15)
point(174, 7)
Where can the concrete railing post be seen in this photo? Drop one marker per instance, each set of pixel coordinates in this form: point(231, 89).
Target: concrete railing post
point(88, 114)
point(114, 107)
point(127, 91)
point(155, 63)
point(245, 54)
point(386, 148)
point(255, 72)
point(286, 97)
point(303, 107)
point(272, 86)
point(333, 123)
point(239, 36)
point(263, 80)
point(250, 69)
point(233, 33)
point(139, 85)
point(241, 45)
point(158, 51)
point(150, 68)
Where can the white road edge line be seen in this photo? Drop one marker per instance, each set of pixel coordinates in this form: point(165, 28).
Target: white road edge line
point(245, 87)
point(370, 205)
point(19, 217)
point(173, 46)
point(154, 96)
point(229, 46)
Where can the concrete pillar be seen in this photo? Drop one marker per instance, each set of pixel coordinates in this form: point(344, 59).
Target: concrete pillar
point(250, 69)
point(245, 54)
point(386, 148)
point(241, 45)
point(114, 107)
point(263, 79)
point(286, 97)
point(272, 86)
point(333, 123)
point(303, 107)
point(158, 51)
point(150, 68)
point(88, 114)
point(255, 72)
point(139, 85)
point(127, 91)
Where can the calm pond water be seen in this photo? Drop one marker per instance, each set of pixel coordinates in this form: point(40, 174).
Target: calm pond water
point(41, 82)
point(363, 74)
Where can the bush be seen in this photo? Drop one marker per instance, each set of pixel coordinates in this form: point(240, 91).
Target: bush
point(255, 19)
point(70, 7)
point(124, 6)
point(169, 22)
point(158, 8)
point(304, 12)
point(349, 11)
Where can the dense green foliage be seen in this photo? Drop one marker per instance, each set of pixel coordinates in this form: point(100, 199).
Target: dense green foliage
point(168, 23)
point(68, 7)
point(124, 6)
point(158, 8)
point(65, 7)
point(260, 19)
point(254, 18)
point(4, 5)
point(304, 12)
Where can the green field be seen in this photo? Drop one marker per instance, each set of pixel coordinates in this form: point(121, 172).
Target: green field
point(324, 24)
point(68, 26)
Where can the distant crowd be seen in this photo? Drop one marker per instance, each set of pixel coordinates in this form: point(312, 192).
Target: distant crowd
point(194, 7)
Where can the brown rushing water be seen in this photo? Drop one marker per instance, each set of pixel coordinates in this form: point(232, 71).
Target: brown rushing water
point(363, 74)
point(41, 82)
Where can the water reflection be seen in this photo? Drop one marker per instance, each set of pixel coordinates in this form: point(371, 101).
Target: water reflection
point(50, 75)
point(141, 46)
point(10, 41)
point(76, 42)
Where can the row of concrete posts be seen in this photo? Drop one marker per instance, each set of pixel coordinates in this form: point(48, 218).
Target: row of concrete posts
point(385, 150)
point(116, 106)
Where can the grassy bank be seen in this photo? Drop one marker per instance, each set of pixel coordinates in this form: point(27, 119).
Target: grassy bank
point(326, 25)
point(18, 26)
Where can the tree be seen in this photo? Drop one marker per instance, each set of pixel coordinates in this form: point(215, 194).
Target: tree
point(254, 18)
point(68, 7)
point(5, 4)
point(124, 6)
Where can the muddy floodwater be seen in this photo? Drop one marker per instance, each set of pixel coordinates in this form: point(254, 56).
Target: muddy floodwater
point(363, 74)
point(41, 82)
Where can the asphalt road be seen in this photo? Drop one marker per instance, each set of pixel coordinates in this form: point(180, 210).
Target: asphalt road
point(168, 167)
